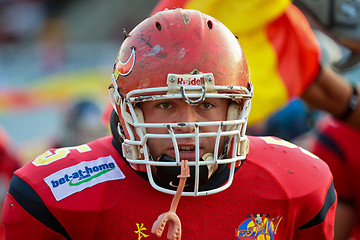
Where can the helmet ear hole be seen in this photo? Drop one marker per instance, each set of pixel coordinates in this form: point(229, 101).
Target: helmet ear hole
point(233, 113)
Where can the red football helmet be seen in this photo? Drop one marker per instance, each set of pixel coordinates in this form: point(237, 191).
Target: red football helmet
point(187, 55)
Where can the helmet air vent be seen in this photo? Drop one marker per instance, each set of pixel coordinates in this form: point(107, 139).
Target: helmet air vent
point(210, 24)
point(158, 26)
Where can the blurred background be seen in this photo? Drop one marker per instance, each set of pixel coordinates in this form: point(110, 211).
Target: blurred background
point(56, 61)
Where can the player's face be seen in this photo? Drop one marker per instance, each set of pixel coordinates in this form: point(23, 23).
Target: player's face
point(176, 110)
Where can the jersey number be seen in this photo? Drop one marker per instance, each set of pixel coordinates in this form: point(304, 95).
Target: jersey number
point(271, 140)
point(49, 157)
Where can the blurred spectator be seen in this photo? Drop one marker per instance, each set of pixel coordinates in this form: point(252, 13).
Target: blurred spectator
point(52, 45)
point(23, 20)
point(20, 20)
point(52, 37)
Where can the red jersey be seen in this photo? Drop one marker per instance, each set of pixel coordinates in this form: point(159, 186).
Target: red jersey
point(90, 192)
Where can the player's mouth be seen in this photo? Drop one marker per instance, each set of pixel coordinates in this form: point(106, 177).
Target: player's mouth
point(187, 149)
point(188, 152)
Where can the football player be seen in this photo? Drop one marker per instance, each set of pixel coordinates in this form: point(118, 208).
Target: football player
point(181, 93)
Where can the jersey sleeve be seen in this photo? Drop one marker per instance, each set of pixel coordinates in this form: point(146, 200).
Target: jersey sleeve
point(24, 214)
point(321, 226)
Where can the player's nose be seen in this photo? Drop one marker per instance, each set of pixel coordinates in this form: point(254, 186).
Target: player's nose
point(187, 114)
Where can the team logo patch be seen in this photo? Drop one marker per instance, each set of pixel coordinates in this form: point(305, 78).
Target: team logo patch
point(258, 227)
point(83, 175)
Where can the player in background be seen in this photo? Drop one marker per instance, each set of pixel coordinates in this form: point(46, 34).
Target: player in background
point(338, 145)
point(181, 93)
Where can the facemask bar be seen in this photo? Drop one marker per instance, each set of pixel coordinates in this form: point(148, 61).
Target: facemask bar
point(236, 134)
point(197, 135)
point(137, 142)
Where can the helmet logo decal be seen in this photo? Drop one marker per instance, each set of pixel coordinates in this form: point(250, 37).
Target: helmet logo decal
point(125, 68)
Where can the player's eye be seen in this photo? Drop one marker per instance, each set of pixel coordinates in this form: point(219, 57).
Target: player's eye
point(206, 105)
point(164, 105)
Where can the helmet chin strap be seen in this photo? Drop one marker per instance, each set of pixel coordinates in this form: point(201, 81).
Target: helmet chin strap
point(169, 175)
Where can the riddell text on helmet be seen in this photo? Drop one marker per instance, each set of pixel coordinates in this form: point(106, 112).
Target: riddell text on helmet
point(191, 81)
